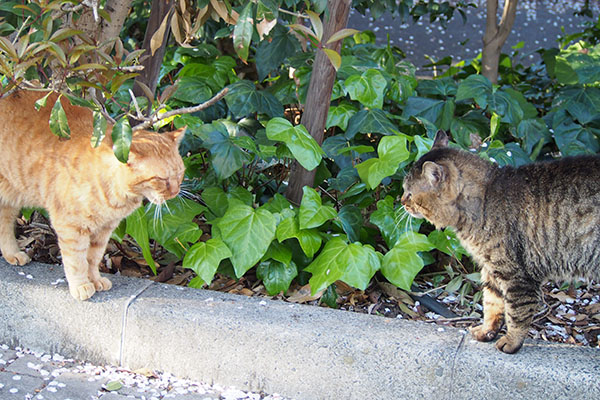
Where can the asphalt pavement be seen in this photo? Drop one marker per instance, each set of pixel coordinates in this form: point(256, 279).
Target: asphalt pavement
point(538, 24)
point(261, 347)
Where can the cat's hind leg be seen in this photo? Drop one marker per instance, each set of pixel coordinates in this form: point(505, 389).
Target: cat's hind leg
point(522, 297)
point(98, 242)
point(74, 243)
point(8, 243)
point(493, 310)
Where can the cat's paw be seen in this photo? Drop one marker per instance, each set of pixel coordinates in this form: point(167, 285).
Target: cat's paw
point(483, 335)
point(102, 284)
point(506, 345)
point(83, 291)
point(18, 258)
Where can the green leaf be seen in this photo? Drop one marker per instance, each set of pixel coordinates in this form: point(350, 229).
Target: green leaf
point(532, 131)
point(353, 263)
point(352, 220)
point(58, 121)
point(392, 151)
point(278, 252)
point(392, 223)
point(248, 234)
point(276, 276)
point(476, 87)
point(99, 129)
point(137, 228)
point(340, 115)
point(565, 74)
point(176, 227)
point(447, 242)
point(302, 145)
point(401, 264)
point(192, 89)
point(368, 88)
point(243, 99)
point(121, 137)
point(204, 258)
point(370, 121)
point(270, 54)
point(312, 213)
point(226, 156)
point(440, 112)
point(310, 240)
point(242, 33)
point(113, 386)
point(41, 103)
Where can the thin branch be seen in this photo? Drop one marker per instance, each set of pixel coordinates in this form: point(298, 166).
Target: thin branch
point(187, 110)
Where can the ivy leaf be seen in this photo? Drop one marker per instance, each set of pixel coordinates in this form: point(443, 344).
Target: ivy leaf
point(447, 242)
point(248, 234)
point(352, 220)
point(401, 264)
point(270, 54)
point(243, 99)
point(58, 121)
point(353, 263)
point(370, 121)
point(312, 212)
point(476, 87)
point(192, 89)
point(340, 115)
point(392, 223)
point(204, 257)
point(226, 156)
point(367, 88)
point(137, 228)
point(392, 151)
point(297, 139)
point(242, 33)
point(121, 137)
point(276, 276)
point(440, 112)
point(99, 129)
point(310, 240)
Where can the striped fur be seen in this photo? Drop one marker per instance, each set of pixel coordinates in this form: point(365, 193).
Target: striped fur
point(523, 226)
point(86, 191)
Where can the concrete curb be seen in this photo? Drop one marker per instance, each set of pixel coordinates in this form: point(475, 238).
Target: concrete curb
point(303, 352)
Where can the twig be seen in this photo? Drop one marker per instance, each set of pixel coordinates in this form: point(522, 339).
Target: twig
point(186, 110)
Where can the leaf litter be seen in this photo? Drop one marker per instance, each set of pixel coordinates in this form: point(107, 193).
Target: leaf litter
point(569, 313)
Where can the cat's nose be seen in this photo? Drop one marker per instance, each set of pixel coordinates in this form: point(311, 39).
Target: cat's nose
point(405, 198)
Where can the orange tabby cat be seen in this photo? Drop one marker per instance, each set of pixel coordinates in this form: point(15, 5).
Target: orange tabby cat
point(85, 190)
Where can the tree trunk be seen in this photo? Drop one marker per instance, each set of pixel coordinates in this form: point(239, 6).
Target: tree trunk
point(103, 30)
point(152, 63)
point(495, 36)
point(318, 98)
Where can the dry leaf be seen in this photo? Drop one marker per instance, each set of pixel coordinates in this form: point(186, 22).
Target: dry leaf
point(302, 295)
point(159, 35)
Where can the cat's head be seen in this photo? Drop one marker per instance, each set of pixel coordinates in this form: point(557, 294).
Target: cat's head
point(444, 184)
point(155, 164)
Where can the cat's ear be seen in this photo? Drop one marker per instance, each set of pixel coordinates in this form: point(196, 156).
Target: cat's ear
point(178, 135)
point(434, 173)
point(441, 139)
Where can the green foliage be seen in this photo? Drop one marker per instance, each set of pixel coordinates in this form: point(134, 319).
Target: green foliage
point(239, 151)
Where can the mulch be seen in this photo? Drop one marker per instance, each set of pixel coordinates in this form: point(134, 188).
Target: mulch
point(569, 314)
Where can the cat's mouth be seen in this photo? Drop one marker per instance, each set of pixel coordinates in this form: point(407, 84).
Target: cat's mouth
point(413, 213)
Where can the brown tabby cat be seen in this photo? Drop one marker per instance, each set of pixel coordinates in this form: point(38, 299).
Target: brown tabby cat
point(86, 191)
point(522, 225)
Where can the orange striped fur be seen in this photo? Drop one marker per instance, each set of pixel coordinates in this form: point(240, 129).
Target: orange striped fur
point(85, 190)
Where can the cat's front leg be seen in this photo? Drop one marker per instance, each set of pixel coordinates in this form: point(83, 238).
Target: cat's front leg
point(8, 243)
point(493, 309)
point(74, 243)
point(98, 242)
point(522, 297)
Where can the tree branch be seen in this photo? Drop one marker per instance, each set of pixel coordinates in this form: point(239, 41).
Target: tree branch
point(187, 110)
